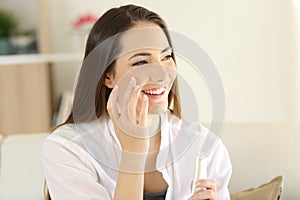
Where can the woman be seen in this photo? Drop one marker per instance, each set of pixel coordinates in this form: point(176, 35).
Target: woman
point(125, 138)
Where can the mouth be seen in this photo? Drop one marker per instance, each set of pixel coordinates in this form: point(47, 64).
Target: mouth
point(154, 92)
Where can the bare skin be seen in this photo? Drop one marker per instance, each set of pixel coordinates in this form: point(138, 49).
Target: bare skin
point(135, 107)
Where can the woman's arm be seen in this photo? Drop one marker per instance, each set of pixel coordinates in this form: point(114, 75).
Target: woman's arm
point(219, 170)
point(130, 183)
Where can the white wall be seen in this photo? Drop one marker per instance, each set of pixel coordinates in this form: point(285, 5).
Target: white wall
point(297, 20)
point(251, 42)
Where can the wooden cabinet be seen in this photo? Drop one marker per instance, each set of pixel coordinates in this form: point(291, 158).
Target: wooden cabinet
point(25, 102)
point(25, 88)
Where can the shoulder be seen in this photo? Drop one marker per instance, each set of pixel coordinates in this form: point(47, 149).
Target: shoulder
point(62, 139)
point(64, 135)
point(66, 131)
point(207, 141)
point(188, 127)
point(213, 144)
point(66, 140)
point(72, 133)
point(63, 149)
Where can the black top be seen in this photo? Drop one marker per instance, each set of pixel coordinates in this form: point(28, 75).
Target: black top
point(155, 195)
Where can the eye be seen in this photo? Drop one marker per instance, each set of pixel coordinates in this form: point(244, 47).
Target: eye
point(167, 57)
point(142, 62)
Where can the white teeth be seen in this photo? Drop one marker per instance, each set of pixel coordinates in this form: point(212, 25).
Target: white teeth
point(157, 91)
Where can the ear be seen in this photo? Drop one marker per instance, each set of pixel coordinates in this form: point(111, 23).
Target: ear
point(109, 80)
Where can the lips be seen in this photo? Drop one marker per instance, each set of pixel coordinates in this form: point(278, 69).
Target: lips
point(154, 92)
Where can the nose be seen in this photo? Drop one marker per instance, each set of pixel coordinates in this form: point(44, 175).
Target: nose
point(158, 73)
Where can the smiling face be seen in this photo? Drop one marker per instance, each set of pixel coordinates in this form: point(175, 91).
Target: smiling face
point(146, 56)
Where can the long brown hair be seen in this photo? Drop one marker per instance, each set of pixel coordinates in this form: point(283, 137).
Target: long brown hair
point(91, 95)
point(90, 98)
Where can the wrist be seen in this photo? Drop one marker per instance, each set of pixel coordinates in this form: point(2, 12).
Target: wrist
point(133, 162)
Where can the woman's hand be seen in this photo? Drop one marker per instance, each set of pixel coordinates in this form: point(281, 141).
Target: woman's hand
point(129, 122)
point(209, 193)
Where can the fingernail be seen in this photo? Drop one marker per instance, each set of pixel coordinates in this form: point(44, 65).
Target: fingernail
point(145, 98)
point(136, 88)
point(132, 80)
point(199, 184)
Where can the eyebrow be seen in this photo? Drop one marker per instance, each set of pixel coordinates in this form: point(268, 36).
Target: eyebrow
point(149, 54)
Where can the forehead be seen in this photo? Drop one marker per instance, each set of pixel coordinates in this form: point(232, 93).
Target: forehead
point(143, 36)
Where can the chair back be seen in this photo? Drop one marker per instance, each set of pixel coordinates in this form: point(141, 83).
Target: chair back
point(21, 175)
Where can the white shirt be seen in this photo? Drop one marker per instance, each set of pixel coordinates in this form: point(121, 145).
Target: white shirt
point(81, 161)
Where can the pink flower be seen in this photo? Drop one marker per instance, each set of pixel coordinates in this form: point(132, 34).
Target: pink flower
point(84, 21)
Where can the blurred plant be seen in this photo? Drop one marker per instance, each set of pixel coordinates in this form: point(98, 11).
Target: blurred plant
point(7, 23)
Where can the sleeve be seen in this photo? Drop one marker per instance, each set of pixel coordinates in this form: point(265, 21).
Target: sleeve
point(220, 169)
point(68, 174)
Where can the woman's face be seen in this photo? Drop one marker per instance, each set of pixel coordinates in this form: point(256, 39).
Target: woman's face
point(146, 56)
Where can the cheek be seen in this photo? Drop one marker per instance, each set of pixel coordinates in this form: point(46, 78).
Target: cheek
point(120, 72)
point(171, 64)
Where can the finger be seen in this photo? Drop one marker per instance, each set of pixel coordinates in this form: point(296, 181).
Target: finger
point(127, 94)
point(143, 116)
point(205, 194)
point(133, 104)
point(205, 183)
